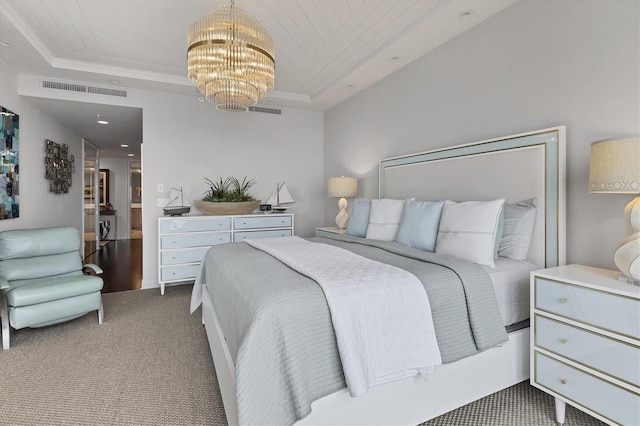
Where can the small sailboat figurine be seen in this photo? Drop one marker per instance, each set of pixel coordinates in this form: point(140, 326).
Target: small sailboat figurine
point(176, 205)
point(280, 198)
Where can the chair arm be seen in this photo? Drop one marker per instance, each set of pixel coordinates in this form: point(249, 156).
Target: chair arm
point(4, 284)
point(91, 269)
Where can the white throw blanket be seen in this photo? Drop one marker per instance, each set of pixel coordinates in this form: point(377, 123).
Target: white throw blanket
point(381, 314)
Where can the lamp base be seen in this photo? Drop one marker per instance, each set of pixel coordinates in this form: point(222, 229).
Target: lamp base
point(343, 217)
point(627, 255)
point(628, 280)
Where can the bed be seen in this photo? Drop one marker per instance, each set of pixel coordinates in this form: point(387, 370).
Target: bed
point(514, 168)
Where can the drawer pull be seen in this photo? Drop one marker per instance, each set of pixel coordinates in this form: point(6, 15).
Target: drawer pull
point(563, 381)
point(563, 341)
point(563, 300)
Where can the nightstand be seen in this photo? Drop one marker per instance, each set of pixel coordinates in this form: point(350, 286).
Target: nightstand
point(585, 342)
point(323, 230)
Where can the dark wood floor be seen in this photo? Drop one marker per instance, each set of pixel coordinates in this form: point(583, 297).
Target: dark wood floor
point(121, 261)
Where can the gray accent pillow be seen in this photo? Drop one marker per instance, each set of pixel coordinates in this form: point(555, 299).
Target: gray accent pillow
point(499, 233)
point(359, 218)
point(519, 221)
point(419, 224)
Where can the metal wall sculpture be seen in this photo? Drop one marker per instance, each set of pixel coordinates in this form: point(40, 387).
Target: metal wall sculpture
point(58, 166)
point(9, 169)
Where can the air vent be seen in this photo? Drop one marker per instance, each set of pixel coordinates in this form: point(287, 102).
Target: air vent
point(81, 88)
point(107, 91)
point(266, 110)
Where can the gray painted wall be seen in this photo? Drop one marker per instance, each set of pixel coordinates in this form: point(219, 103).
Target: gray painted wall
point(186, 140)
point(535, 65)
point(40, 208)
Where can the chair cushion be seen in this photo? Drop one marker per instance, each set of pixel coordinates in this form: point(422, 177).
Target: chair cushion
point(21, 243)
point(57, 311)
point(40, 290)
point(41, 266)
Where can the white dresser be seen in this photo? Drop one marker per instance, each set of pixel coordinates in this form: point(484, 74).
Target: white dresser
point(585, 342)
point(184, 240)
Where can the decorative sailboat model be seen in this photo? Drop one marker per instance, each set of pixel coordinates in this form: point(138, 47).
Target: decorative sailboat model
point(176, 205)
point(280, 198)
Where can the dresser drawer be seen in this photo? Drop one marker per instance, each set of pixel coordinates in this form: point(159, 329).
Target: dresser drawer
point(611, 312)
point(175, 257)
point(265, 221)
point(604, 398)
point(204, 239)
point(177, 273)
point(601, 353)
point(173, 226)
point(241, 236)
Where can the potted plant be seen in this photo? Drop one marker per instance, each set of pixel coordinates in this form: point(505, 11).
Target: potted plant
point(227, 196)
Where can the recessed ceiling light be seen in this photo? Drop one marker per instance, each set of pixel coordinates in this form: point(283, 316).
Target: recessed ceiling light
point(101, 121)
point(351, 86)
point(465, 14)
point(395, 58)
point(130, 155)
point(115, 81)
point(124, 145)
point(5, 44)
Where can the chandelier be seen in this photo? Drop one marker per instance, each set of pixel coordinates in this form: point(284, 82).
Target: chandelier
point(230, 58)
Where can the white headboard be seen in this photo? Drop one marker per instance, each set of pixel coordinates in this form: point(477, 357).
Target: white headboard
point(514, 167)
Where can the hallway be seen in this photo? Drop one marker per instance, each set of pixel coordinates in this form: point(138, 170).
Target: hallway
point(121, 261)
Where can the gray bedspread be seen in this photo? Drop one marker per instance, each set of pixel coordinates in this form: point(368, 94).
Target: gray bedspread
point(278, 327)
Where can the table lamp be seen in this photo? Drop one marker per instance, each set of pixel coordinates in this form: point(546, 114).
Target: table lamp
point(342, 187)
point(615, 168)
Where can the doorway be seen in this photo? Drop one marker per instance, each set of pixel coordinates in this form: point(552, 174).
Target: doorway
point(90, 218)
point(135, 189)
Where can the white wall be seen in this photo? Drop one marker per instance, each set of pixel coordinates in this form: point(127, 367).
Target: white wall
point(40, 208)
point(119, 193)
point(185, 140)
point(535, 65)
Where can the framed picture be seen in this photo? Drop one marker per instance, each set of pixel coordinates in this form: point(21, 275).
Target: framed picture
point(9, 167)
point(103, 187)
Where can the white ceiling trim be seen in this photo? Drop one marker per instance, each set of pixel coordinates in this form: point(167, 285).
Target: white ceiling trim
point(26, 31)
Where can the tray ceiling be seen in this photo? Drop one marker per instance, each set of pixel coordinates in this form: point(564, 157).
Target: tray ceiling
point(326, 50)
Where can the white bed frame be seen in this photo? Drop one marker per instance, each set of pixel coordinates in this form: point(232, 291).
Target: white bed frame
point(514, 167)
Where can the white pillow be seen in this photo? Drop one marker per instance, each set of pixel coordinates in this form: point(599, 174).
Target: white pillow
point(384, 219)
point(468, 230)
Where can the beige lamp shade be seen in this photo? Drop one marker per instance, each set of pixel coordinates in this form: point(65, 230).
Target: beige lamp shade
point(343, 187)
point(615, 166)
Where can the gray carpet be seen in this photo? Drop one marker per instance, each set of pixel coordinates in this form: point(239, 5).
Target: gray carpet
point(149, 364)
